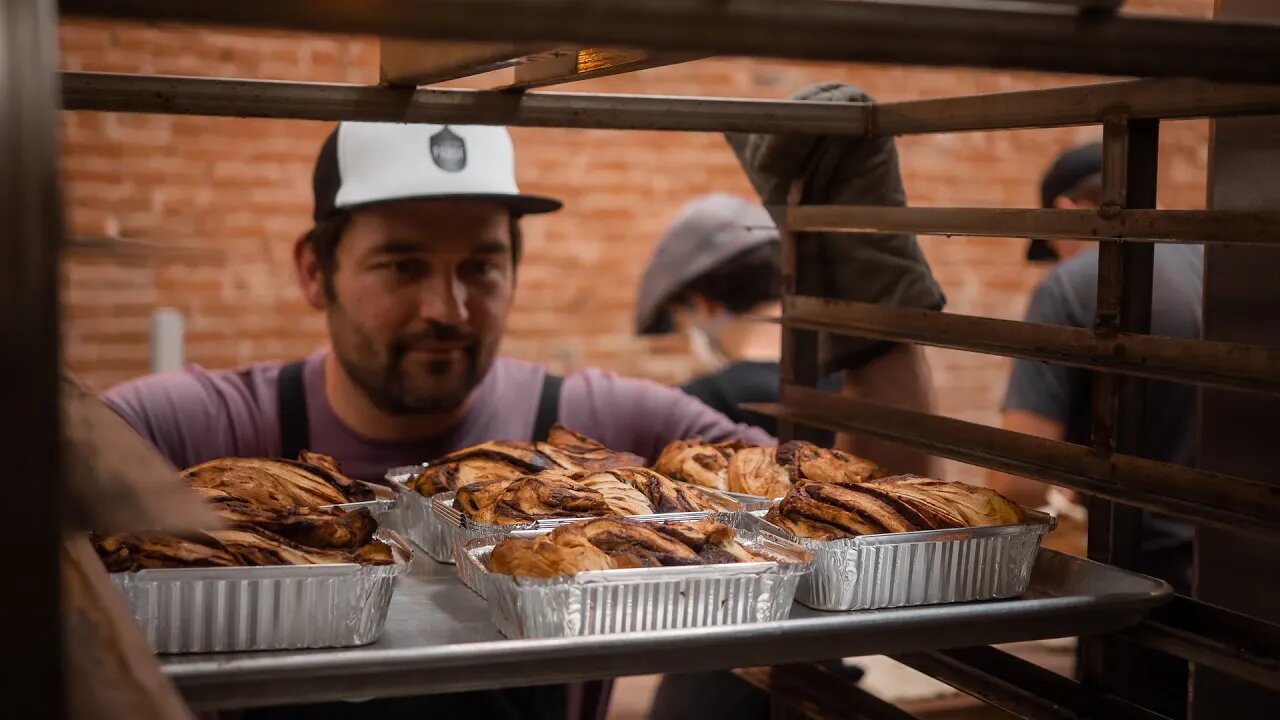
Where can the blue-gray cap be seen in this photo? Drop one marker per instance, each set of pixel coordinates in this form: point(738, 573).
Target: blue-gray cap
point(708, 232)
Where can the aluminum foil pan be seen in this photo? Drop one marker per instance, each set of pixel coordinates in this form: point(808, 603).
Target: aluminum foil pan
point(635, 600)
point(922, 568)
point(198, 610)
point(463, 531)
point(414, 517)
point(756, 504)
point(383, 510)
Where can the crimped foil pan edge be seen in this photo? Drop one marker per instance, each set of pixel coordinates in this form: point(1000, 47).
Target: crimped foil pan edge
point(614, 601)
point(415, 519)
point(922, 568)
point(465, 531)
point(197, 610)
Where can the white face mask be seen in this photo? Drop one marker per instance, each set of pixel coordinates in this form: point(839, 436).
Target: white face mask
point(703, 344)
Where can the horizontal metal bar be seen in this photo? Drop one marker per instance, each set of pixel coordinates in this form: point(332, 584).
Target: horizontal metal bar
point(315, 101)
point(1167, 99)
point(1014, 36)
point(1237, 503)
point(1020, 687)
point(1236, 227)
point(816, 692)
point(1219, 364)
point(1215, 637)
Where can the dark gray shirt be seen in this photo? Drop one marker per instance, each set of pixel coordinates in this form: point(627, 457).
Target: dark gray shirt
point(1068, 295)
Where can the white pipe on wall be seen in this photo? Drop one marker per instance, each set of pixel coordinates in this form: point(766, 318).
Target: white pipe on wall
point(167, 340)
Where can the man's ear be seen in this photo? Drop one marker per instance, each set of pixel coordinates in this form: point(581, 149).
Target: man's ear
point(1062, 202)
point(310, 276)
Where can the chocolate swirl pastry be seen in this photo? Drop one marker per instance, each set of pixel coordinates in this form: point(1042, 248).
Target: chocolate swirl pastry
point(903, 503)
point(762, 471)
point(545, 496)
point(271, 513)
point(556, 494)
point(613, 542)
point(564, 450)
point(668, 496)
point(699, 463)
point(310, 481)
point(254, 536)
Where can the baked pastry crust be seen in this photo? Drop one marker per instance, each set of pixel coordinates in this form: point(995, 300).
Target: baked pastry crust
point(766, 471)
point(564, 450)
point(613, 543)
point(904, 503)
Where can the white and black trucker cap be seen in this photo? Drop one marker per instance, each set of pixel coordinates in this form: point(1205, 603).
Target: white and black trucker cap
point(364, 163)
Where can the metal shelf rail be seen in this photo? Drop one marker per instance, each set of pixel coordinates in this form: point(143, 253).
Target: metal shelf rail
point(1078, 36)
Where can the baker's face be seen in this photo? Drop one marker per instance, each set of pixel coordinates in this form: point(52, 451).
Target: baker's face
point(420, 298)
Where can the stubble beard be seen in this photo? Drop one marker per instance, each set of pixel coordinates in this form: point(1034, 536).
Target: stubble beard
point(383, 376)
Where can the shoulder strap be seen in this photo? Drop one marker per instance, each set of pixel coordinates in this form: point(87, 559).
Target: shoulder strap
point(291, 411)
point(548, 406)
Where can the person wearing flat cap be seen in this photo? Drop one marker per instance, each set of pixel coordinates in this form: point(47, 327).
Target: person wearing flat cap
point(412, 258)
point(714, 275)
point(1055, 401)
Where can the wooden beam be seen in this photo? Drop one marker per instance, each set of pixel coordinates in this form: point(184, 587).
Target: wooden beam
point(574, 64)
point(1187, 226)
point(1092, 103)
point(1004, 35)
point(1237, 366)
point(319, 101)
point(426, 62)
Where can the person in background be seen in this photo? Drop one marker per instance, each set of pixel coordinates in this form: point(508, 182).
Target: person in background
point(1055, 401)
point(714, 274)
point(412, 258)
point(1073, 182)
point(876, 268)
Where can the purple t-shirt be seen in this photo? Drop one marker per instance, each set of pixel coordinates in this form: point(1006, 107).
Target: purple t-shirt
point(196, 415)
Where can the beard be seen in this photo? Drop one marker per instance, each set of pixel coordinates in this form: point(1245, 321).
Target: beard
point(398, 383)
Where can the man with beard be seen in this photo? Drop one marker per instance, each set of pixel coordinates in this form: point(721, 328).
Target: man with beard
point(413, 260)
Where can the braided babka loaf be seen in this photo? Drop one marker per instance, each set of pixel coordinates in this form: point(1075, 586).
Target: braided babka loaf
point(564, 450)
point(613, 542)
point(556, 494)
point(903, 503)
point(765, 471)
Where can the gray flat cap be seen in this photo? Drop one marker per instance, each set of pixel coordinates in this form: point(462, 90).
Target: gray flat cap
point(708, 232)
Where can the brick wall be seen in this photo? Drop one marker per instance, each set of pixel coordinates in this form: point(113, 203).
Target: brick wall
point(238, 192)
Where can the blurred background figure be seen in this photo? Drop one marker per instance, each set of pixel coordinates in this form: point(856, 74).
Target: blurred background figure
point(715, 272)
point(1073, 182)
point(1055, 401)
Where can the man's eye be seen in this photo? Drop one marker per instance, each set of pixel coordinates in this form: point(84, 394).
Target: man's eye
point(480, 267)
point(406, 267)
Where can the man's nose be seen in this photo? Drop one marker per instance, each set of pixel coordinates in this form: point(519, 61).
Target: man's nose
point(444, 300)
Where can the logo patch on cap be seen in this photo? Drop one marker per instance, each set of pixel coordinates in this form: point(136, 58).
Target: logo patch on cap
point(448, 151)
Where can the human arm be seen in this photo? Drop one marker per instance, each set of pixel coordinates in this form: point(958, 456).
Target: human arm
point(901, 378)
point(1038, 397)
point(1030, 493)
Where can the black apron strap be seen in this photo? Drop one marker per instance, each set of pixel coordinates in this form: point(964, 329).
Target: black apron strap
point(291, 411)
point(548, 407)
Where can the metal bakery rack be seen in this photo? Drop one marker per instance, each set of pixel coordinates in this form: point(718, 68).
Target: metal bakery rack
point(1186, 68)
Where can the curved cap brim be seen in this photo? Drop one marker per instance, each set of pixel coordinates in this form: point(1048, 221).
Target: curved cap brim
point(519, 204)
